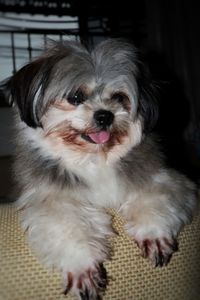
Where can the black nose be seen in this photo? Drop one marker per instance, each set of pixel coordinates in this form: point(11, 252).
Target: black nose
point(103, 118)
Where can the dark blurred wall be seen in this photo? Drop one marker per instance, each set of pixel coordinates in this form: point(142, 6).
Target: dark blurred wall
point(174, 31)
point(173, 41)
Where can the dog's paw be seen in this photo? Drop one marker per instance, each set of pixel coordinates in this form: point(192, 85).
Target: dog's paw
point(89, 284)
point(159, 250)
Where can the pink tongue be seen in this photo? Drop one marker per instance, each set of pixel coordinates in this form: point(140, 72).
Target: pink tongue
point(100, 137)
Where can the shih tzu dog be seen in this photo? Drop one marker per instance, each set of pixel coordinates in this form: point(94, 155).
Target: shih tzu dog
point(83, 143)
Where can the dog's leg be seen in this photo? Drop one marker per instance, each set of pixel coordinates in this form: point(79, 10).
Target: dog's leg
point(72, 239)
point(156, 213)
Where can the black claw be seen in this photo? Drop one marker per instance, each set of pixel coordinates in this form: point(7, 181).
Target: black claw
point(101, 284)
point(167, 259)
point(100, 281)
point(159, 260)
point(103, 274)
point(66, 291)
point(162, 260)
point(175, 246)
point(85, 295)
point(103, 280)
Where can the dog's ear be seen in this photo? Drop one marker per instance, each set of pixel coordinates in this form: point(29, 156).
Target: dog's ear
point(147, 91)
point(28, 85)
point(27, 89)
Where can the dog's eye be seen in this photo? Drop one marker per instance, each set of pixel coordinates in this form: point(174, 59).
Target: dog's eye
point(119, 97)
point(76, 98)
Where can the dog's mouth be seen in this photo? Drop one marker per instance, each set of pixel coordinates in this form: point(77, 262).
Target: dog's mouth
point(100, 137)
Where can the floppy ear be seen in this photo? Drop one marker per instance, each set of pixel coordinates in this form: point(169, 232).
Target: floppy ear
point(27, 89)
point(147, 104)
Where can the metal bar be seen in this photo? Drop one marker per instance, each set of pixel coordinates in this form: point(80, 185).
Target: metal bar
point(29, 46)
point(45, 41)
point(46, 31)
point(13, 52)
point(74, 32)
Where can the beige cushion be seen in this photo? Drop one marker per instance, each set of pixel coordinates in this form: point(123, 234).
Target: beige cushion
point(131, 277)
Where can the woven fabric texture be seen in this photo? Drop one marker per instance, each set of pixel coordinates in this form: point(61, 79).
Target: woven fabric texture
point(131, 277)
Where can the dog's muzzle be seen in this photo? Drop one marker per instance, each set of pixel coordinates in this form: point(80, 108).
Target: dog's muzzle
point(103, 119)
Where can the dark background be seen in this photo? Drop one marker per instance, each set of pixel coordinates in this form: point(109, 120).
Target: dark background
point(168, 33)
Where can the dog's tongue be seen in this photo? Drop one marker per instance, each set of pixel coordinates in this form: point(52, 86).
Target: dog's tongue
point(100, 137)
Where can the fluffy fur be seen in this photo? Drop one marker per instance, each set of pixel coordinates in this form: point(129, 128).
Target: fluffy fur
point(83, 145)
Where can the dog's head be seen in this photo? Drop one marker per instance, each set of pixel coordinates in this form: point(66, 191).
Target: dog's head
point(91, 101)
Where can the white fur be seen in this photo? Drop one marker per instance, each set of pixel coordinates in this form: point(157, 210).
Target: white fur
point(150, 212)
point(67, 226)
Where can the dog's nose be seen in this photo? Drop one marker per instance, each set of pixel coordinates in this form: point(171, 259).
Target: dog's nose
point(103, 118)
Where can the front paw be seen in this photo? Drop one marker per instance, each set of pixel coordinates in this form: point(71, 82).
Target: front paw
point(88, 284)
point(158, 250)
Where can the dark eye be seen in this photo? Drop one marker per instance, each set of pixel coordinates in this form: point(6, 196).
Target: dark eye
point(76, 98)
point(119, 97)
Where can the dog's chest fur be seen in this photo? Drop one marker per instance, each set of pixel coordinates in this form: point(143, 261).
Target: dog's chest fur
point(87, 177)
point(104, 187)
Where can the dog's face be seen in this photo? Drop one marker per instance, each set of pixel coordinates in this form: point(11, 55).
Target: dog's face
point(94, 102)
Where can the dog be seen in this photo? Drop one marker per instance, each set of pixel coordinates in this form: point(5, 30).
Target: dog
point(84, 143)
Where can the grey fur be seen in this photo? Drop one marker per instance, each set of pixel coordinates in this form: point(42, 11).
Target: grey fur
point(67, 182)
point(68, 65)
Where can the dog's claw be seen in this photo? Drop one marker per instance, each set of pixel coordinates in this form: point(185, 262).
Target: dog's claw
point(69, 283)
point(102, 281)
point(158, 251)
point(159, 260)
point(88, 285)
point(85, 295)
